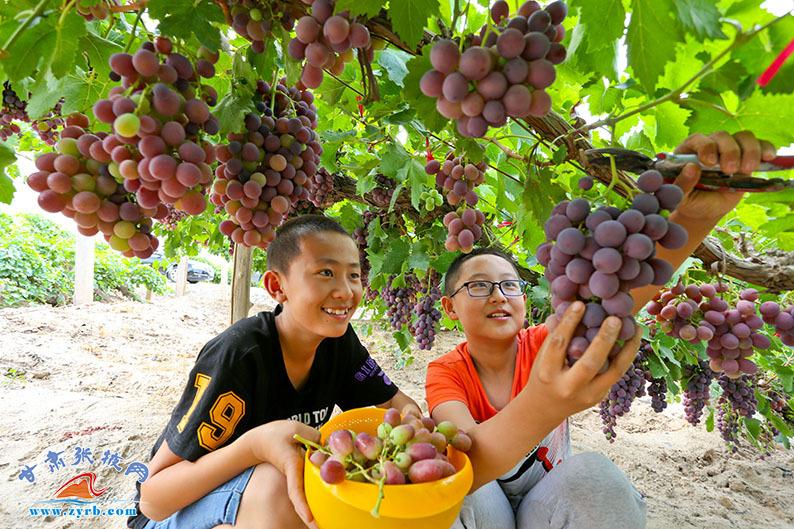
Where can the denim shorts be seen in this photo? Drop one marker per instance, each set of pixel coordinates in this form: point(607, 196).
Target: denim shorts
point(216, 508)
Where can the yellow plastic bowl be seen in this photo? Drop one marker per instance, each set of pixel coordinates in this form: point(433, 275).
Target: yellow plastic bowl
point(433, 505)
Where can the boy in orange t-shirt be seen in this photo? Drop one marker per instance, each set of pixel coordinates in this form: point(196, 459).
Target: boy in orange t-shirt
point(508, 387)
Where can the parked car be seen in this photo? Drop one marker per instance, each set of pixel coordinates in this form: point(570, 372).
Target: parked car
point(196, 270)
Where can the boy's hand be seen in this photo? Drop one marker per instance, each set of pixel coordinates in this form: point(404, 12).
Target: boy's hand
point(738, 153)
point(563, 390)
point(281, 450)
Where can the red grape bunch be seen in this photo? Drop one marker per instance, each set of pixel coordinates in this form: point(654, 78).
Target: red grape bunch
point(254, 19)
point(325, 40)
point(172, 218)
point(782, 319)
point(406, 449)
point(269, 166)
point(502, 73)
point(679, 313)
point(159, 116)
point(697, 381)
point(728, 422)
point(321, 188)
point(72, 182)
point(383, 191)
point(458, 178)
point(621, 395)
point(427, 315)
point(598, 255)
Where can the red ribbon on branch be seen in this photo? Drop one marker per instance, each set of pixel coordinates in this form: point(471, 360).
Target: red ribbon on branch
point(771, 72)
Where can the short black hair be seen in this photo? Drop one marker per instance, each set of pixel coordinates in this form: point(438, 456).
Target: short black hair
point(286, 246)
point(453, 272)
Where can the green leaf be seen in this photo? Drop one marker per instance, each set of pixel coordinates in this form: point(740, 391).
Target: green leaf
point(710, 421)
point(419, 259)
point(779, 225)
point(471, 149)
point(44, 95)
point(67, 42)
point(770, 115)
point(424, 106)
point(80, 93)
point(651, 39)
point(393, 159)
point(671, 126)
point(99, 51)
point(368, 8)
point(231, 110)
point(409, 18)
point(7, 157)
point(700, 17)
point(753, 426)
point(413, 173)
point(602, 21)
point(26, 53)
point(395, 258)
point(183, 18)
point(394, 62)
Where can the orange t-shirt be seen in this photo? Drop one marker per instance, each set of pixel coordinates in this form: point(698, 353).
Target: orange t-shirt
point(454, 377)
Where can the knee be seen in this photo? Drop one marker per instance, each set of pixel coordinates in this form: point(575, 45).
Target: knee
point(265, 502)
point(591, 475)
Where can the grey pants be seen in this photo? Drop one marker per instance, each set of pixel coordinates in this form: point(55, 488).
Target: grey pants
point(586, 491)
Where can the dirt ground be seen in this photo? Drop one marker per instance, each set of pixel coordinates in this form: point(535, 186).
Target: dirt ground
point(106, 377)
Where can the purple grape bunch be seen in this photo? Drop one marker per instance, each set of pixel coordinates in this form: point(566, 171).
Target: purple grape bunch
point(621, 395)
point(172, 218)
point(598, 254)
point(736, 336)
point(400, 301)
point(679, 311)
point(781, 318)
point(502, 72)
point(321, 188)
point(740, 393)
point(657, 387)
point(697, 392)
point(13, 109)
point(255, 23)
point(427, 315)
point(728, 423)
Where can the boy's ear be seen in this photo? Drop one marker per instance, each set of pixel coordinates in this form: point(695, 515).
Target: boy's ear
point(449, 307)
point(272, 283)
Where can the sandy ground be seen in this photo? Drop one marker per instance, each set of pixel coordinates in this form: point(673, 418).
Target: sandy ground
point(106, 376)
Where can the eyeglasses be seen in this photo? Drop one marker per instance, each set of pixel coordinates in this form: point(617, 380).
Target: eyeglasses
point(482, 289)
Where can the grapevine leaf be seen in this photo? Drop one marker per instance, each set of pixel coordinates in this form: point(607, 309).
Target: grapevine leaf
point(368, 8)
point(394, 62)
point(7, 157)
point(26, 53)
point(753, 426)
point(770, 115)
point(393, 159)
point(67, 42)
point(602, 21)
point(99, 51)
point(393, 262)
point(409, 18)
point(471, 149)
point(183, 18)
point(80, 93)
point(44, 95)
point(710, 421)
point(671, 126)
point(700, 17)
point(651, 39)
point(415, 176)
point(424, 106)
point(419, 260)
point(231, 110)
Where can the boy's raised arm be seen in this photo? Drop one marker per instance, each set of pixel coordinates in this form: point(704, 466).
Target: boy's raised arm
point(175, 483)
point(553, 392)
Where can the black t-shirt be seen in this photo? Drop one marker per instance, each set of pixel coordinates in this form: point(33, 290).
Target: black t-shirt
point(240, 382)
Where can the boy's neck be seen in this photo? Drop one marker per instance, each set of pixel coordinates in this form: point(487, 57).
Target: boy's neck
point(296, 344)
point(493, 357)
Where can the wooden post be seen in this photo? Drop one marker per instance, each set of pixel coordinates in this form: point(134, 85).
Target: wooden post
point(84, 270)
point(241, 283)
point(181, 276)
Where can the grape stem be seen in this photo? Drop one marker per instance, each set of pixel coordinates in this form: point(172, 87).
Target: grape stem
point(38, 10)
point(740, 39)
point(132, 31)
point(505, 149)
point(311, 444)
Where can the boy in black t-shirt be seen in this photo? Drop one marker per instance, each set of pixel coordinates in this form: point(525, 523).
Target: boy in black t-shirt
point(227, 456)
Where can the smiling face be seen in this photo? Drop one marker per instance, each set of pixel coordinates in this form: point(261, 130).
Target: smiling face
point(322, 286)
point(495, 317)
